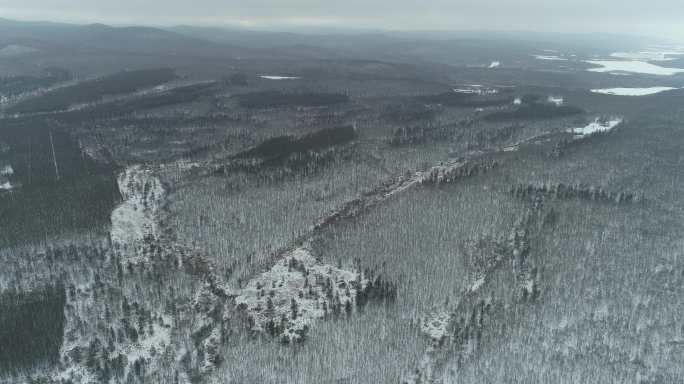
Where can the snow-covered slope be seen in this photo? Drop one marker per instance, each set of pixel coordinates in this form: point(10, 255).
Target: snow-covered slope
point(135, 218)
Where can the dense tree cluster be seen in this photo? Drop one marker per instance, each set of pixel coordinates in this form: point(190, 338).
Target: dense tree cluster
point(93, 90)
point(450, 174)
point(576, 191)
point(118, 108)
point(466, 100)
point(534, 112)
point(11, 86)
point(275, 99)
point(31, 327)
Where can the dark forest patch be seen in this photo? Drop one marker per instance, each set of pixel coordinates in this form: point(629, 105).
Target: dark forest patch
point(292, 154)
point(180, 95)
point(280, 147)
point(77, 193)
point(467, 100)
point(410, 112)
point(93, 90)
point(31, 327)
point(534, 112)
point(16, 85)
point(273, 99)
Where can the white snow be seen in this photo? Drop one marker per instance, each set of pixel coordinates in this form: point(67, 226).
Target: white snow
point(142, 349)
point(551, 58)
point(315, 288)
point(632, 91)
point(477, 284)
point(632, 67)
point(558, 101)
point(517, 101)
point(435, 325)
point(466, 90)
point(136, 216)
point(476, 90)
point(272, 77)
point(76, 373)
point(495, 64)
point(7, 170)
point(596, 126)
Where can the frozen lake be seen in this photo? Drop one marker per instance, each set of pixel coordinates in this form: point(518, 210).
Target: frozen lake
point(549, 58)
point(650, 55)
point(632, 91)
point(632, 67)
point(272, 77)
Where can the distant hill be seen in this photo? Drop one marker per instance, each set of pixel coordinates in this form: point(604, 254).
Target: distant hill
point(139, 40)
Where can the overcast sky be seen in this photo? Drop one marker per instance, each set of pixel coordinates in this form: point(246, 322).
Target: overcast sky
point(663, 18)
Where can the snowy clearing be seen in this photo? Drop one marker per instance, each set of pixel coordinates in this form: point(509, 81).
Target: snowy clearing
point(297, 290)
point(495, 64)
point(632, 67)
point(270, 77)
point(597, 126)
point(135, 217)
point(435, 325)
point(633, 91)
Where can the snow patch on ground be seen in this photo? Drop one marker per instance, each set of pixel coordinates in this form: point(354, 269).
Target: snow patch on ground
point(558, 101)
point(435, 325)
point(477, 284)
point(6, 185)
point(297, 290)
point(632, 91)
point(75, 373)
point(495, 64)
point(475, 89)
point(632, 67)
point(7, 170)
point(597, 126)
point(270, 77)
point(136, 217)
point(147, 348)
